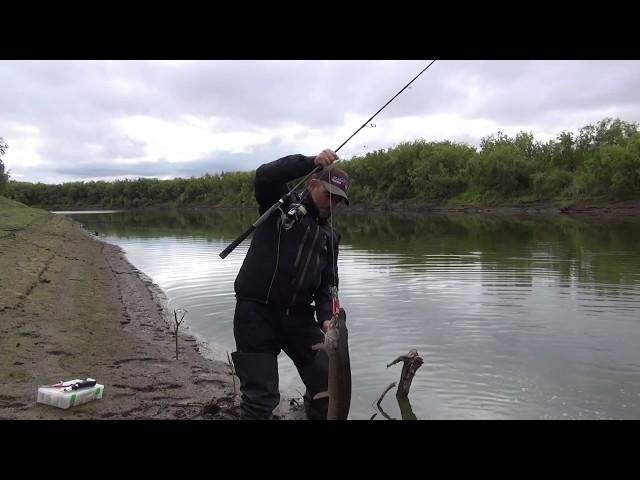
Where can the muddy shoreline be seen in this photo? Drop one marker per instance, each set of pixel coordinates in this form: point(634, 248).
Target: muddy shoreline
point(592, 207)
point(72, 306)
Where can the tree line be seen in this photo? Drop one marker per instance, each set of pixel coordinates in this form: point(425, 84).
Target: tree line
point(601, 161)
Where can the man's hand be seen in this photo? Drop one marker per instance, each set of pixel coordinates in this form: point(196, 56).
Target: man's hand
point(325, 325)
point(325, 158)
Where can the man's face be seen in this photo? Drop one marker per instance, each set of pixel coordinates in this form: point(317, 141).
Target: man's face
point(324, 200)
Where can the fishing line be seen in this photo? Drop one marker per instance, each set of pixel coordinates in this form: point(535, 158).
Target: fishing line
point(383, 107)
point(335, 283)
point(280, 203)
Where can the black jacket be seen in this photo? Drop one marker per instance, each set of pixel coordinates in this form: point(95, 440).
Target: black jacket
point(289, 268)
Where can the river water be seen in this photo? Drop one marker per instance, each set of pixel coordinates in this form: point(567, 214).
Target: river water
point(515, 318)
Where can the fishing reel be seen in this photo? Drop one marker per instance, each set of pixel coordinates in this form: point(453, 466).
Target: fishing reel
point(293, 213)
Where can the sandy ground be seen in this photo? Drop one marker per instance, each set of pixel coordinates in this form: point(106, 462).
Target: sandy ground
point(73, 307)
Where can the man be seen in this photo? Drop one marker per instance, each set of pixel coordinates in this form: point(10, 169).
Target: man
point(292, 262)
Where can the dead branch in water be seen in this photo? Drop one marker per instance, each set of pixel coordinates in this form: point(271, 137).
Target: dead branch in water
point(406, 412)
point(411, 363)
point(178, 322)
point(391, 385)
point(406, 377)
point(384, 414)
point(407, 356)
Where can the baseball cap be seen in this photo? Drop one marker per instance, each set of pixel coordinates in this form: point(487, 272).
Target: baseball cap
point(335, 181)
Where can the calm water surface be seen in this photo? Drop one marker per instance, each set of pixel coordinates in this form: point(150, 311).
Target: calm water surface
point(514, 317)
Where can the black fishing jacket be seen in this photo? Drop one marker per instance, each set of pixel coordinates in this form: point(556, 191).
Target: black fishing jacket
point(289, 269)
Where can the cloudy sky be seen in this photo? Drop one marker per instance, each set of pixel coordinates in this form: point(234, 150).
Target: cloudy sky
point(90, 120)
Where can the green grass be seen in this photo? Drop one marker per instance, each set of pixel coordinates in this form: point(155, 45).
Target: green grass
point(16, 215)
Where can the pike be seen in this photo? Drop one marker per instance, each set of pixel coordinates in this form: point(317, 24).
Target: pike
point(336, 346)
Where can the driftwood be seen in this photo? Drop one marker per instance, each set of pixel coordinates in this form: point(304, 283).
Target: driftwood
point(391, 385)
point(411, 362)
point(384, 414)
point(406, 411)
point(378, 403)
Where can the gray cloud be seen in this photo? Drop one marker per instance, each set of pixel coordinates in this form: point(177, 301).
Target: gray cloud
point(75, 105)
point(213, 163)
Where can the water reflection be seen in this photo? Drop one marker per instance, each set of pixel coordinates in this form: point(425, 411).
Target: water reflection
point(515, 317)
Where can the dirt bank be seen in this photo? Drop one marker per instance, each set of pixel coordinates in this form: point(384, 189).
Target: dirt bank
point(580, 208)
point(592, 207)
point(73, 307)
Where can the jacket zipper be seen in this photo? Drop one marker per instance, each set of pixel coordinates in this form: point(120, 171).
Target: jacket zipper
point(306, 265)
point(304, 239)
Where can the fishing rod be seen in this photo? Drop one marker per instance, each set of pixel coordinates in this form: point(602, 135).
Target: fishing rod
point(280, 203)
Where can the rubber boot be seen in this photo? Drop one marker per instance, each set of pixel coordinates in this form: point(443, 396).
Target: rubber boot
point(315, 377)
point(258, 373)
